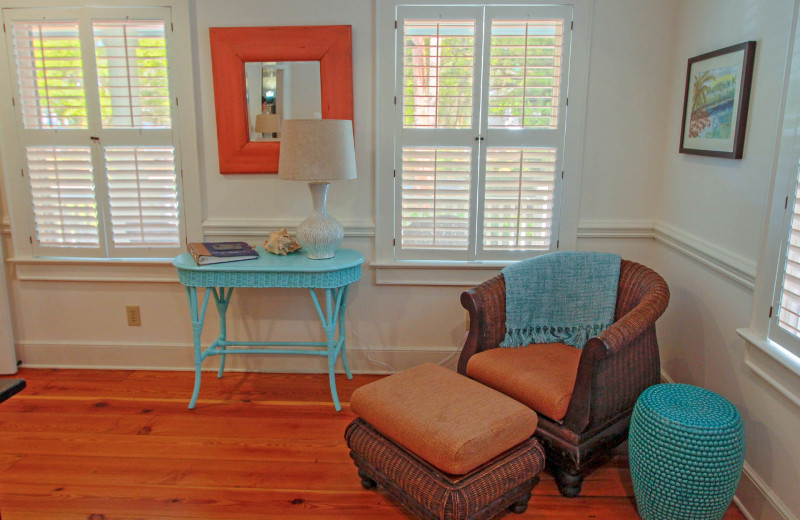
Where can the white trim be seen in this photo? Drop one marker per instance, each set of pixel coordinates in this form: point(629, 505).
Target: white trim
point(726, 263)
point(779, 509)
point(94, 270)
point(262, 227)
point(431, 273)
point(5, 226)
point(735, 267)
point(738, 269)
point(616, 229)
point(774, 364)
point(179, 356)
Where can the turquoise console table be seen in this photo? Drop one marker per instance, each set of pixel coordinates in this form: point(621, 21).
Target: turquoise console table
point(333, 276)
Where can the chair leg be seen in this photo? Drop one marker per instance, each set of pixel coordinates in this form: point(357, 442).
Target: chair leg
point(569, 481)
point(520, 505)
point(366, 480)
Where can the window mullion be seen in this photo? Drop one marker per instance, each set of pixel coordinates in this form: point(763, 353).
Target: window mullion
point(482, 81)
point(93, 112)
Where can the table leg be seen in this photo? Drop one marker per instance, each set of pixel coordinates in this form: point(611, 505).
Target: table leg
point(198, 317)
point(329, 324)
point(342, 310)
point(222, 300)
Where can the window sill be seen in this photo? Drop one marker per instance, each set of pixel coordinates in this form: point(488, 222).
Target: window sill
point(773, 363)
point(463, 274)
point(155, 270)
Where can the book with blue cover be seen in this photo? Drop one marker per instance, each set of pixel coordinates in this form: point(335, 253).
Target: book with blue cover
point(205, 253)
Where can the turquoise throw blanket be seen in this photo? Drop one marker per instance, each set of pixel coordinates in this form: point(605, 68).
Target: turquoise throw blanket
point(565, 297)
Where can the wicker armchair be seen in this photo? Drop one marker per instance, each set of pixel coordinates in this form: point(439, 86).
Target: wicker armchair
point(613, 369)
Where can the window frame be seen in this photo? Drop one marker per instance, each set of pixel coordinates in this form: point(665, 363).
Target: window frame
point(426, 271)
point(772, 353)
point(183, 132)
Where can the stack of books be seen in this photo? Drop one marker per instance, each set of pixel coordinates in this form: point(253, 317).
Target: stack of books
point(205, 253)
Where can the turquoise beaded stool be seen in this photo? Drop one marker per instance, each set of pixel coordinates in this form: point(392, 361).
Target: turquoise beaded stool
point(686, 447)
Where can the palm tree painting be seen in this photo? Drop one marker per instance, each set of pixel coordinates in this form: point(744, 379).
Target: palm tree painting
point(716, 100)
point(713, 93)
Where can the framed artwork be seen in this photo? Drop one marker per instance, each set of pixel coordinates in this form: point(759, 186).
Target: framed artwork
point(715, 101)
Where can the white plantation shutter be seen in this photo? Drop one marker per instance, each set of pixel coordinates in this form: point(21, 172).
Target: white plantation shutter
point(525, 73)
point(142, 193)
point(62, 187)
point(49, 67)
point(435, 198)
point(132, 73)
point(518, 200)
point(788, 316)
point(438, 65)
point(97, 129)
point(480, 130)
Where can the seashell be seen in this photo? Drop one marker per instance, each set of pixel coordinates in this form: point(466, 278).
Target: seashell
point(281, 243)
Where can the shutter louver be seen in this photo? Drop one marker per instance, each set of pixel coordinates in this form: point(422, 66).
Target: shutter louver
point(62, 187)
point(435, 198)
point(518, 198)
point(525, 73)
point(438, 65)
point(132, 73)
point(143, 196)
point(789, 315)
point(50, 74)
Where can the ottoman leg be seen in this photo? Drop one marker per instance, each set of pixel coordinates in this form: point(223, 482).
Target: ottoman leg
point(569, 481)
point(366, 480)
point(521, 504)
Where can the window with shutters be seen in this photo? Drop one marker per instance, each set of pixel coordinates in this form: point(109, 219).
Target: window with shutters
point(480, 125)
point(97, 143)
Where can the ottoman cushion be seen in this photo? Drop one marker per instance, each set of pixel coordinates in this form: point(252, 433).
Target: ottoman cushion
point(541, 375)
point(451, 421)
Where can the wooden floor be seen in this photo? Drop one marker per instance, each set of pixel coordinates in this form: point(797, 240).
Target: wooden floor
point(122, 445)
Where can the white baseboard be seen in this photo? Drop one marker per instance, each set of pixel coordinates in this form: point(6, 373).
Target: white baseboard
point(754, 498)
point(180, 356)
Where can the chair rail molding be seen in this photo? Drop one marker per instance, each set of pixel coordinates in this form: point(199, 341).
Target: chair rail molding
point(213, 227)
point(731, 265)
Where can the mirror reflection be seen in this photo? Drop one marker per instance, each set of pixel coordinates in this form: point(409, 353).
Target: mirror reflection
point(280, 90)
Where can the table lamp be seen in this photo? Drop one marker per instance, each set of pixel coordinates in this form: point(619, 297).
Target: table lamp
point(318, 151)
point(268, 124)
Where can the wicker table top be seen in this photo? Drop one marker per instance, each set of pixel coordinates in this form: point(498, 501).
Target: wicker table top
point(268, 270)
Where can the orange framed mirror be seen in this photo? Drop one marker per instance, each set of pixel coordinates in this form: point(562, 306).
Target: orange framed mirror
point(232, 47)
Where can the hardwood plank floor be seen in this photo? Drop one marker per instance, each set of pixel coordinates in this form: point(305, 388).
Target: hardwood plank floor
point(122, 445)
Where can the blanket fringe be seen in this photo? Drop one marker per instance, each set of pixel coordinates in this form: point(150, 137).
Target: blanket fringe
point(575, 336)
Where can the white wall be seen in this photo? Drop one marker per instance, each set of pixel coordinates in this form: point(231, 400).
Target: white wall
point(718, 207)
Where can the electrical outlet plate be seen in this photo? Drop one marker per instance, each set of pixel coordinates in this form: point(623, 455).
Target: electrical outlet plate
point(134, 316)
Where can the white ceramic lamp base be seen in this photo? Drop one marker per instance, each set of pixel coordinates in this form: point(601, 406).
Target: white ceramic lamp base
point(320, 234)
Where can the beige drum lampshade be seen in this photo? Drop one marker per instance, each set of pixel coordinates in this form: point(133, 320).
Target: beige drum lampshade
point(317, 150)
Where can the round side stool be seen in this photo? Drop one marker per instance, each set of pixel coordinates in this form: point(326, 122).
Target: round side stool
point(686, 447)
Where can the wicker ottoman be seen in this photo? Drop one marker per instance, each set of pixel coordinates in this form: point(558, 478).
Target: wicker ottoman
point(686, 448)
point(443, 445)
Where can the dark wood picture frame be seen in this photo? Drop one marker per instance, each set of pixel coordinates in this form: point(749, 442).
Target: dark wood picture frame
point(716, 128)
point(232, 47)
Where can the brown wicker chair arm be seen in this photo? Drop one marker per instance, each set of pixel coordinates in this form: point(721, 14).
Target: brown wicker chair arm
point(651, 293)
point(486, 305)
